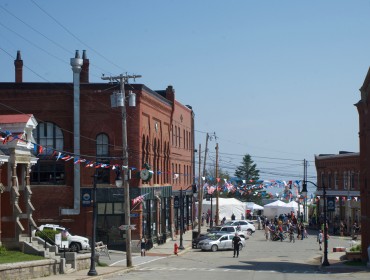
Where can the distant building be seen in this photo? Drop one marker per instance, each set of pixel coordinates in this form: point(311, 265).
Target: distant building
point(340, 174)
point(364, 134)
point(78, 134)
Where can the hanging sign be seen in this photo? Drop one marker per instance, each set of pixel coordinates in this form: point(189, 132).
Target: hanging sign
point(330, 204)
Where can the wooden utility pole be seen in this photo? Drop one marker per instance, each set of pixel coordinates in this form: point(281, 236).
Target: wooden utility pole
point(200, 193)
point(217, 191)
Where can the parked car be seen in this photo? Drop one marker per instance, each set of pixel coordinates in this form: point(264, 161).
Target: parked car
point(220, 242)
point(201, 237)
point(75, 242)
point(243, 224)
point(227, 229)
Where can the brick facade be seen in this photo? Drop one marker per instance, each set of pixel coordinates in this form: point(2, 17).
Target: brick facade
point(151, 139)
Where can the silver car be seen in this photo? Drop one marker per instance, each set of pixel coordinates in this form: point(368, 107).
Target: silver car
point(220, 242)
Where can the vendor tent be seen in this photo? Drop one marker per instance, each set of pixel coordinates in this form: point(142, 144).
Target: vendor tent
point(227, 207)
point(293, 207)
point(275, 209)
point(253, 206)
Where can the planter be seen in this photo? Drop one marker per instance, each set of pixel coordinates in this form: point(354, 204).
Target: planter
point(353, 256)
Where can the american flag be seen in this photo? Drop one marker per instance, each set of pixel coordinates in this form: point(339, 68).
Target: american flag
point(139, 199)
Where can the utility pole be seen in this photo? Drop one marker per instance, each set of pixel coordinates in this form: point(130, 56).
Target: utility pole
point(305, 197)
point(122, 80)
point(217, 192)
point(200, 193)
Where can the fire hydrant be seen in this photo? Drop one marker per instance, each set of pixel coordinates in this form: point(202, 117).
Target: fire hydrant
point(175, 249)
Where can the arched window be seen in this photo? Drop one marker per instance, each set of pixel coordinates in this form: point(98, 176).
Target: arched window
point(48, 171)
point(102, 156)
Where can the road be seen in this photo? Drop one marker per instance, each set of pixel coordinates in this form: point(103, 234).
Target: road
point(260, 260)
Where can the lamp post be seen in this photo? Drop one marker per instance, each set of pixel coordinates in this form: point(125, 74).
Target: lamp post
point(325, 261)
point(92, 271)
point(181, 247)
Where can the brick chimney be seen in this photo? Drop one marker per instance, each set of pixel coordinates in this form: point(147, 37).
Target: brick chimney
point(18, 63)
point(84, 76)
point(170, 93)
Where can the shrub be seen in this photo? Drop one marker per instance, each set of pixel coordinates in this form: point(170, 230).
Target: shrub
point(356, 248)
point(2, 250)
point(47, 234)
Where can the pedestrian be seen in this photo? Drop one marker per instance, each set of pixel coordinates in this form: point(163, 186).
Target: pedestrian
point(142, 243)
point(267, 232)
point(233, 217)
point(320, 238)
point(341, 228)
point(203, 218)
point(236, 243)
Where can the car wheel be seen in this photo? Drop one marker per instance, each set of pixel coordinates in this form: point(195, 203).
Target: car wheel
point(74, 247)
point(214, 248)
point(249, 231)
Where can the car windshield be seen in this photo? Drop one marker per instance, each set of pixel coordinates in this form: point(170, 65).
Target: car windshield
point(216, 229)
point(215, 237)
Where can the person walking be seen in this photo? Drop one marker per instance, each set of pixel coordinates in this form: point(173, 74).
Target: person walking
point(320, 238)
point(236, 243)
point(142, 243)
point(267, 231)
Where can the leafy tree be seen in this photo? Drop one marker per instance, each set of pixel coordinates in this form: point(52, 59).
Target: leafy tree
point(247, 171)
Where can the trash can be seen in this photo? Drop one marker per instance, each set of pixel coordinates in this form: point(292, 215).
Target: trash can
point(195, 234)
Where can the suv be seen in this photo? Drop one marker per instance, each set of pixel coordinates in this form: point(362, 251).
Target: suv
point(243, 225)
point(75, 242)
point(226, 229)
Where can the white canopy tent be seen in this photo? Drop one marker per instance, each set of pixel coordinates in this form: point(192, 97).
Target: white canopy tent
point(253, 206)
point(293, 207)
point(275, 209)
point(227, 207)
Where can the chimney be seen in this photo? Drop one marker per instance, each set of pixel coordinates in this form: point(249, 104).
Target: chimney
point(18, 63)
point(170, 93)
point(84, 77)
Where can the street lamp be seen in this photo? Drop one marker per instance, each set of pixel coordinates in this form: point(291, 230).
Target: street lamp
point(325, 261)
point(92, 271)
point(181, 247)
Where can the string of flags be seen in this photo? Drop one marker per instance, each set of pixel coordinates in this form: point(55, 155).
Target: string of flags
point(51, 153)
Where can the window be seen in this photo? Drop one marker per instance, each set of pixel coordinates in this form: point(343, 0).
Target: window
point(336, 180)
point(48, 171)
point(102, 154)
point(345, 180)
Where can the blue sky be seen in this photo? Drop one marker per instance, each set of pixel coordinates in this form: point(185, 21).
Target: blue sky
point(275, 79)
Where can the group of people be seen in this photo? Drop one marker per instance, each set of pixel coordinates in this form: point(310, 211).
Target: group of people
point(276, 229)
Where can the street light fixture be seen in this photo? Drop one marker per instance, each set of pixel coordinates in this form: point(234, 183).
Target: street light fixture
point(325, 261)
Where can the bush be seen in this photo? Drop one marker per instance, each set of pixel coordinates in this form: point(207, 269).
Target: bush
point(47, 234)
point(356, 248)
point(3, 250)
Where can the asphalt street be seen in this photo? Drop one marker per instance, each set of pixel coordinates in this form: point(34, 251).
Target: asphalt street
point(260, 259)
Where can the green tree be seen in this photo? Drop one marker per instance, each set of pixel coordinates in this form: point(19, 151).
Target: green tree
point(247, 171)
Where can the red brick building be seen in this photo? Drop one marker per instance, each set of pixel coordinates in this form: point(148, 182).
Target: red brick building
point(340, 174)
point(78, 134)
point(364, 133)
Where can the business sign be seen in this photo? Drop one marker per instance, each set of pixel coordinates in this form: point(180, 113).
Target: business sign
point(330, 204)
point(86, 197)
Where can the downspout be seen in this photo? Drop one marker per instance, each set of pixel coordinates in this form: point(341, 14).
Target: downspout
point(76, 64)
